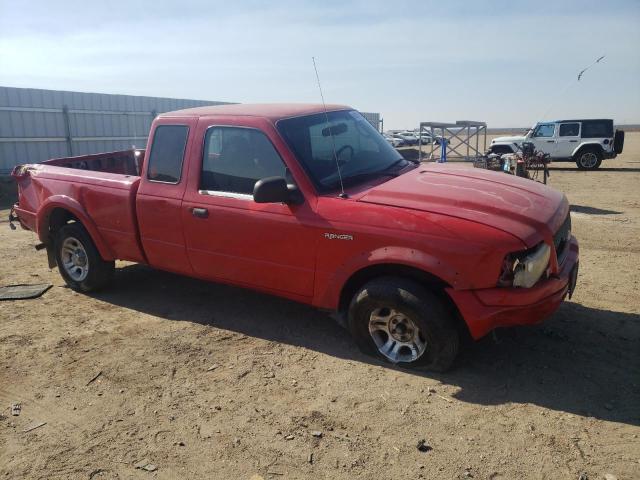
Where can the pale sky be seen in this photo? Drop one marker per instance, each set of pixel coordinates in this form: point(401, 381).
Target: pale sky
point(503, 62)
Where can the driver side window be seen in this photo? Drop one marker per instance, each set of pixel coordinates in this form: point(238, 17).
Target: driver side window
point(545, 130)
point(236, 158)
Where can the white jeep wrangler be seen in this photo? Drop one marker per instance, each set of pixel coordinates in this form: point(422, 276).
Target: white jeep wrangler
point(586, 142)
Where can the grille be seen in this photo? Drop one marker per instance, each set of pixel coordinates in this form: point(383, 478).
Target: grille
point(561, 238)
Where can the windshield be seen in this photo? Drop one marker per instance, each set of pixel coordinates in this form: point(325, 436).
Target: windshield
point(361, 150)
point(544, 130)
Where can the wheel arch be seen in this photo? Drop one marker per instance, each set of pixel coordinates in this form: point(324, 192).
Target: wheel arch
point(59, 217)
point(587, 146)
point(503, 146)
point(56, 212)
point(364, 275)
point(423, 277)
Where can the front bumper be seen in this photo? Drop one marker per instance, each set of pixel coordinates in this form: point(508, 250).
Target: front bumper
point(485, 309)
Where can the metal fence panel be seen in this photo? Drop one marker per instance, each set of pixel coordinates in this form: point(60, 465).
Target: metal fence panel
point(36, 124)
point(373, 118)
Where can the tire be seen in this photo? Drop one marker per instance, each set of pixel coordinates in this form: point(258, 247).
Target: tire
point(79, 262)
point(429, 326)
point(589, 158)
point(618, 142)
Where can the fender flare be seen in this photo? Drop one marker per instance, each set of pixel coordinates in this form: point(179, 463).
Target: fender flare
point(78, 211)
point(512, 146)
point(329, 297)
point(586, 145)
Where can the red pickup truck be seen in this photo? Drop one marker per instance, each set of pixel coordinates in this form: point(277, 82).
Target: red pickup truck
point(312, 205)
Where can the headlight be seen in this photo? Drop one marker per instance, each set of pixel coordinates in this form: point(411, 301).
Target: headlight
point(524, 269)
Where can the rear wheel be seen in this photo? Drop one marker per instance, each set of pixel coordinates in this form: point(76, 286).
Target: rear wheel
point(79, 262)
point(589, 159)
point(403, 323)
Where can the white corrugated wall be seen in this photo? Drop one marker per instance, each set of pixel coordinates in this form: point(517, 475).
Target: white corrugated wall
point(34, 126)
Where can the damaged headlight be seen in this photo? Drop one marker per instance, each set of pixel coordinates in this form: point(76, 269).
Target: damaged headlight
point(524, 269)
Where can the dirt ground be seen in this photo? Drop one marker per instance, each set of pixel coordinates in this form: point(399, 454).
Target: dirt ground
point(208, 381)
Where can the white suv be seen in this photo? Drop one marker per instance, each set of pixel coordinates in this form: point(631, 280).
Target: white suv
point(586, 142)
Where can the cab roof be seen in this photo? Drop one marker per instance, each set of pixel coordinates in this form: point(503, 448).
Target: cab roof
point(581, 120)
point(271, 111)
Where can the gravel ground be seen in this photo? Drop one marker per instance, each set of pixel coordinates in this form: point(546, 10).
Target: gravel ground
point(167, 377)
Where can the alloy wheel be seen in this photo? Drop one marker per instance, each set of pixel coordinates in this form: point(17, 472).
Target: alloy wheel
point(396, 335)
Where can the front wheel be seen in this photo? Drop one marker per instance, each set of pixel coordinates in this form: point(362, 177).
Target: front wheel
point(403, 323)
point(589, 159)
point(79, 261)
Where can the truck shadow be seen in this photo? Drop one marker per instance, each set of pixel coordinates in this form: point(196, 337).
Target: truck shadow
point(554, 168)
point(593, 210)
point(582, 361)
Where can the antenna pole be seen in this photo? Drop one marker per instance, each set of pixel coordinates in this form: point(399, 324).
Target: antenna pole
point(570, 84)
point(333, 141)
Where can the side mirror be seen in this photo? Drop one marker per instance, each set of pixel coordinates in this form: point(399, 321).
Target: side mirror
point(275, 190)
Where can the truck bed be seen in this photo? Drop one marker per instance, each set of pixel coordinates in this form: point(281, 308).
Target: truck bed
point(125, 162)
point(100, 190)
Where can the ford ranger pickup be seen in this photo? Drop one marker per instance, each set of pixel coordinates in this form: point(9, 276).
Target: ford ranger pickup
point(313, 205)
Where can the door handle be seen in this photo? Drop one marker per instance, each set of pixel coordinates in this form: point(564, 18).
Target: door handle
point(573, 141)
point(551, 141)
point(200, 212)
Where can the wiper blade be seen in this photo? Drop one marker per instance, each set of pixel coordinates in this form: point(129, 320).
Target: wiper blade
point(386, 172)
point(368, 175)
point(389, 171)
point(394, 164)
point(401, 159)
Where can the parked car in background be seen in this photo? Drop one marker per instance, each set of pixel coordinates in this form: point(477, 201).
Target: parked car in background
point(410, 257)
point(395, 142)
point(585, 142)
point(409, 138)
point(427, 138)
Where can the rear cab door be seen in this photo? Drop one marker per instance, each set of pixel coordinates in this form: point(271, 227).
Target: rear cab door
point(230, 237)
point(159, 198)
point(568, 139)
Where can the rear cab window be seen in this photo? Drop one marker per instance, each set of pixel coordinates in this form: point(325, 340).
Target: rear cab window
point(167, 153)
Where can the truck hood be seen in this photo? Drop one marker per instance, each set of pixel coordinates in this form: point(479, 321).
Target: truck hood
point(513, 139)
point(526, 209)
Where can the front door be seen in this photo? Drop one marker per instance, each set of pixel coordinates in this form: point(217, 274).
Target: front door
point(568, 139)
point(544, 138)
point(230, 237)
